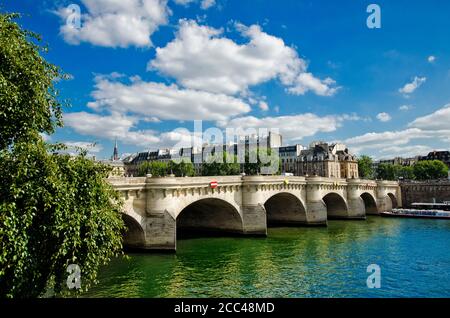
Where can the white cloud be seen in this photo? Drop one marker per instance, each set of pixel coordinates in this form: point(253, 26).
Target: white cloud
point(110, 127)
point(307, 82)
point(201, 57)
point(184, 2)
point(383, 139)
point(294, 127)
point(164, 102)
point(114, 23)
point(409, 88)
point(439, 120)
point(431, 59)
point(405, 108)
point(408, 151)
point(384, 117)
point(263, 106)
point(206, 4)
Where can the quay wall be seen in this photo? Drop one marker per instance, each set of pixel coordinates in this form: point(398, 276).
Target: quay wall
point(427, 192)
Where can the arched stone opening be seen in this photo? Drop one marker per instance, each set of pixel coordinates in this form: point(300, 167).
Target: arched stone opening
point(336, 206)
point(285, 209)
point(209, 217)
point(133, 236)
point(369, 203)
point(391, 202)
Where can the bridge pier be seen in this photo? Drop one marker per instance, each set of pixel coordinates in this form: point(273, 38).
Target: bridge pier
point(160, 232)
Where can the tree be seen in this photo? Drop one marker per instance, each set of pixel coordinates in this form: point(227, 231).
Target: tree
point(55, 209)
point(28, 97)
point(228, 167)
point(265, 159)
point(386, 172)
point(430, 169)
point(365, 167)
point(182, 168)
point(155, 168)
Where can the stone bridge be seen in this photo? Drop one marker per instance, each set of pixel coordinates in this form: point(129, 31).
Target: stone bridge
point(156, 209)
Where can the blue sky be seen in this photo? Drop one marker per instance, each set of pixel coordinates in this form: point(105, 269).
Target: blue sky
point(141, 70)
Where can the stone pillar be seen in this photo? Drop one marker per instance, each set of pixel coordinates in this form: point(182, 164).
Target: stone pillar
point(316, 210)
point(160, 232)
point(356, 206)
point(253, 211)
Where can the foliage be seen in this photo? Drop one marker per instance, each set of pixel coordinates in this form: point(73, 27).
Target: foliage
point(394, 172)
point(430, 169)
point(182, 168)
point(365, 167)
point(265, 158)
point(155, 168)
point(55, 210)
point(28, 98)
point(423, 170)
point(228, 167)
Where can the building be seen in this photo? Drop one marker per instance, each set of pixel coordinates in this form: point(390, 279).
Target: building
point(199, 155)
point(288, 158)
point(443, 156)
point(400, 161)
point(325, 160)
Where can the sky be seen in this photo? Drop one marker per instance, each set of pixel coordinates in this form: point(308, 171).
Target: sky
point(142, 71)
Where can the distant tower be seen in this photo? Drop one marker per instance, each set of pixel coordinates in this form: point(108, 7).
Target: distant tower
point(116, 152)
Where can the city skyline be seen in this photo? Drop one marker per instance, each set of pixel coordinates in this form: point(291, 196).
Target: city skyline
point(314, 70)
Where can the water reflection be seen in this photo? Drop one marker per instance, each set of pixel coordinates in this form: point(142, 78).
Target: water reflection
point(294, 262)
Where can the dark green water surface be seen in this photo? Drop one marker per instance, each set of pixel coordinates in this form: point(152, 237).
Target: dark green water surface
point(414, 256)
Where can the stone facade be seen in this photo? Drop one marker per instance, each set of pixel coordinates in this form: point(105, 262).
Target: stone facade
point(157, 208)
point(329, 161)
point(425, 192)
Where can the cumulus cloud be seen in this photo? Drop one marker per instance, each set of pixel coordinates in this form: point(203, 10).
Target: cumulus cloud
point(263, 106)
point(405, 108)
point(439, 120)
point(110, 127)
point(206, 4)
point(112, 23)
point(409, 88)
point(384, 117)
point(164, 102)
point(202, 58)
point(123, 128)
point(431, 59)
point(294, 127)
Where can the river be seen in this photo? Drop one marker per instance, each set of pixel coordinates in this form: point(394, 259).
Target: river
point(414, 257)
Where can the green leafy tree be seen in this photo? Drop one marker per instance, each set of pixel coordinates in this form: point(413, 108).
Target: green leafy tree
point(28, 98)
point(182, 168)
point(155, 168)
point(265, 158)
point(365, 167)
point(430, 169)
point(228, 167)
point(55, 210)
point(386, 171)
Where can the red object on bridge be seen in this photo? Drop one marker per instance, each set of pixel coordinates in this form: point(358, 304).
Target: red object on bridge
point(213, 184)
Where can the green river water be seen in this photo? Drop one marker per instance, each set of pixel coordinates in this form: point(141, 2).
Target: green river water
point(414, 257)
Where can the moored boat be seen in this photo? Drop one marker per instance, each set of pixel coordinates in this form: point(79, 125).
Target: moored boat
point(418, 213)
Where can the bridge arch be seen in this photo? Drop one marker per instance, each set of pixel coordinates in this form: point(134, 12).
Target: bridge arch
point(134, 235)
point(285, 209)
point(370, 204)
point(336, 206)
point(209, 216)
point(391, 201)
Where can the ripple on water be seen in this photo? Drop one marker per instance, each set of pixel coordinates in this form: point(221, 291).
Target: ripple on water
point(294, 262)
